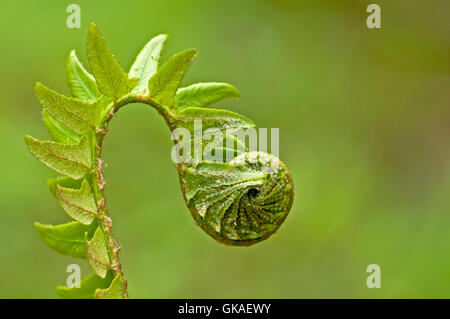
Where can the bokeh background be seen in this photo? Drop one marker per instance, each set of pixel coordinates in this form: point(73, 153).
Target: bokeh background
point(364, 128)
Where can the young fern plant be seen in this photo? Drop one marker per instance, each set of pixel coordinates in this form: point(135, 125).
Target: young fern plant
point(239, 202)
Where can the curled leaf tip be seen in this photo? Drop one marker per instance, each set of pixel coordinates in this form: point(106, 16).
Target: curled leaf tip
point(240, 203)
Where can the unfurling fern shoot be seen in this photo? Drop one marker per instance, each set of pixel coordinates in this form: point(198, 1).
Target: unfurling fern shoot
point(239, 202)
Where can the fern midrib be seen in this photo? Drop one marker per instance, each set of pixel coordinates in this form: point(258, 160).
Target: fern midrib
point(102, 212)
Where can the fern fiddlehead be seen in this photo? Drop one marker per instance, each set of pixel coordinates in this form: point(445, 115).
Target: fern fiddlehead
point(242, 210)
point(239, 201)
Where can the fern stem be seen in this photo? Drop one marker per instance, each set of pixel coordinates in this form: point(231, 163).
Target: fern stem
point(115, 106)
point(105, 221)
point(99, 181)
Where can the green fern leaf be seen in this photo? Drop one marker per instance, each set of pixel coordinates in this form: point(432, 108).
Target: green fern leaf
point(212, 118)
point(81, 116)
point(73, 160)
point(164, 84)
point(66, 239)
point(58, 131)
point(115, 291)
point(146, 63)
point(82, 84)
point(97, 252)
point(63, 181)
point(204, 94)
point(112, 81)
point(78, 203)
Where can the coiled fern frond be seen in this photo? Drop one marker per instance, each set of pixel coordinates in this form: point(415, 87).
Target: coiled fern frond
point(240, 203)
point(239, 200)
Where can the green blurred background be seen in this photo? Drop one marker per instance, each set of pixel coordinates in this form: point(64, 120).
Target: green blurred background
point(364, 128)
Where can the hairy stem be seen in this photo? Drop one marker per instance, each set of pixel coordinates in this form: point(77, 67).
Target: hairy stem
point(99, 182)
